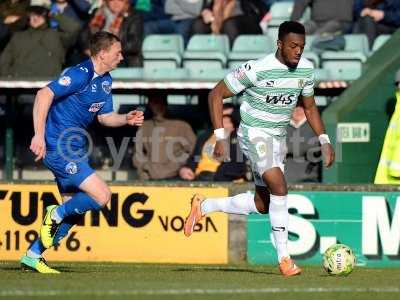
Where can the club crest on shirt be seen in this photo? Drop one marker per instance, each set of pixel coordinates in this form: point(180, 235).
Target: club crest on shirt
point(64, 81)
point(106, 87)
point(71, 168)
point(95, 107)
point(239, 73)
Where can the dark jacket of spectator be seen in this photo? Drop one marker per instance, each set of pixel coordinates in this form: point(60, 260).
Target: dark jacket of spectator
point(327, 16)
point(14, 13)
point(38, 52)
point(128, 26)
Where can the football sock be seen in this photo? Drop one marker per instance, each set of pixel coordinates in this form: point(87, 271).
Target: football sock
point(36, 249)
point(78, 204)
point(241, 204)
point(279, 218)
point(65, 226)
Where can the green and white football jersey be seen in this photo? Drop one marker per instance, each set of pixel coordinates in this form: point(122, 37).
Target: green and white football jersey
point(270, 91)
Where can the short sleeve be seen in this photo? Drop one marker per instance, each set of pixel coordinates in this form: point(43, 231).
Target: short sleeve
point(70, 81)
point(241, 78)
point(108, 107)
point(308, 89)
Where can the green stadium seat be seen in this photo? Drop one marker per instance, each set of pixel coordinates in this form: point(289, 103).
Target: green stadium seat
point(313, 57)
point(165, 74)
point(346, 70)
point(206, 49)
point(322, 75)
point(281, 12)
point(127, 73)
point(356, 49)
point(163, 51)
point(247, 47)
point(208, 74)
point(380, 41)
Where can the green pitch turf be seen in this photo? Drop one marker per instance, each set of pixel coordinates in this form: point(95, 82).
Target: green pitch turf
point(147, 281)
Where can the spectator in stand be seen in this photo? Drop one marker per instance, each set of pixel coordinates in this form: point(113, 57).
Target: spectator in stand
point(38, 51)
point(183, 13)
point(75, 9)
point(156, 21)
point(377, 17)
point(13, 17)
point(303, 159)
point(119, 18)
point(202, 166)
point(327, 16)
point(162, 145)
point(230, 17)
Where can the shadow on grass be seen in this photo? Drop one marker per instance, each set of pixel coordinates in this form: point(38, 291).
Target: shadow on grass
point(232, 270)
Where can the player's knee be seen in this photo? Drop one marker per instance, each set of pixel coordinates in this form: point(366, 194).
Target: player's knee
point(280, 191)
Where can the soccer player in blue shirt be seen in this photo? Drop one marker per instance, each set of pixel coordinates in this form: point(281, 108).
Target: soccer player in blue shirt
point(61, 113)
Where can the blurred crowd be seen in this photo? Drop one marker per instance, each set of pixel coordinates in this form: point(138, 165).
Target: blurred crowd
point(40, 37)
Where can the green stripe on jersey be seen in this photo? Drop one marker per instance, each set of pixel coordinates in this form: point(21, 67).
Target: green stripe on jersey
point(245, 80)
point(281, 73)
point(229, 86)
point(269, 90)
point(255, 122)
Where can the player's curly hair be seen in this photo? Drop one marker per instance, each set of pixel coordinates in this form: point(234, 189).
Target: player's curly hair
point(101, 40)
point(290, 27)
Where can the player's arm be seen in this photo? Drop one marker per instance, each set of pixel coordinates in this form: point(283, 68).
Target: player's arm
point(44, 98)
point(113, 119)
point(215, 104)
point(314, 119)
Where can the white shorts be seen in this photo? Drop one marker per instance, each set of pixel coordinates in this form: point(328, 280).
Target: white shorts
point(262, 150)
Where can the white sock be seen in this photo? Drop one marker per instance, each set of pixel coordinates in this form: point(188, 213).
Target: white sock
point(56, 217)
point(32, 254)
point(241, 204)
point(279, 218)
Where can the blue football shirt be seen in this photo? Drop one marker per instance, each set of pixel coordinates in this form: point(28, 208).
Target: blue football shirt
point(79, 96)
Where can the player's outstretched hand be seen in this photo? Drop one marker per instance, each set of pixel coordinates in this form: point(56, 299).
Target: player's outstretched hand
point(328, 154)
point(135, 117)
point(38, 147)
point(220, 151)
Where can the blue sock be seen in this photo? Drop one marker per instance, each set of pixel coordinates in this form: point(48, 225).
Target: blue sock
point(78, 204)
point(65, 226)
point(36, 249)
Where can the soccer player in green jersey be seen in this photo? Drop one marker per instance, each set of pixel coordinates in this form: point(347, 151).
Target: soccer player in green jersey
point(270, 87)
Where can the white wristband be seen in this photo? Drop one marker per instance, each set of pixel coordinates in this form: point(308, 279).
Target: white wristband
point(221, 134)
point(324, 139)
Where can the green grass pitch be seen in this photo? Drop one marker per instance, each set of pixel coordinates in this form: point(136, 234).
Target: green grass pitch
point(150, 281)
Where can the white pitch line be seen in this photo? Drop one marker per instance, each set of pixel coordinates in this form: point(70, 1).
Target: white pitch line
point(196, 291)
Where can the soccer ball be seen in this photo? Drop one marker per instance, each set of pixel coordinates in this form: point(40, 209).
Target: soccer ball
point(339, 259)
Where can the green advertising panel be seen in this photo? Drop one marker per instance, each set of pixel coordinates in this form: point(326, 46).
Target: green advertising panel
point(368, 222)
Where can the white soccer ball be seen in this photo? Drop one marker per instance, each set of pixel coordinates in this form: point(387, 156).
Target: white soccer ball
point(339, 259)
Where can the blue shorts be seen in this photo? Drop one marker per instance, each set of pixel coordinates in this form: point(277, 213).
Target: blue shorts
point(69, 173)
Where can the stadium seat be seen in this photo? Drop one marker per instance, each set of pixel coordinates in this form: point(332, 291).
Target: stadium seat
point(163, 51)
point(356, 48)
point(380, 41)
point(206, 49)
point(127, 73)
point(281, 12)
point(347, 64)
point(346, 70)
point(247, 47)
point(208, 74)
point(165, 74)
